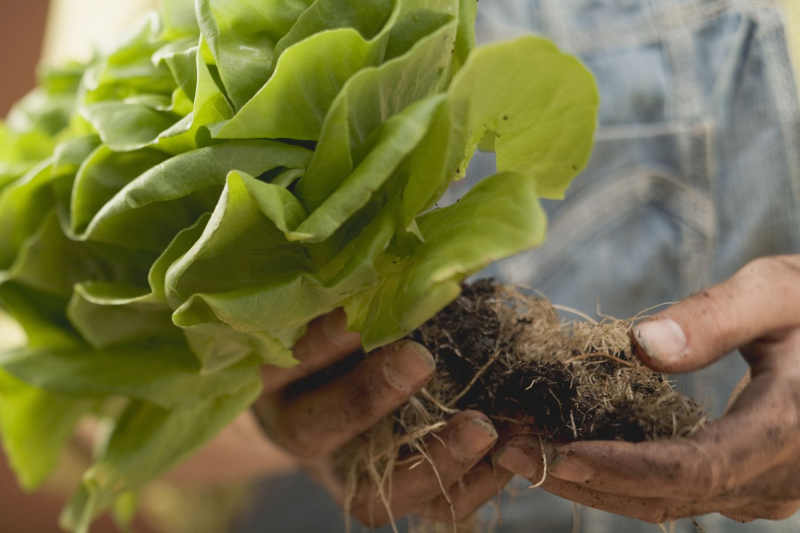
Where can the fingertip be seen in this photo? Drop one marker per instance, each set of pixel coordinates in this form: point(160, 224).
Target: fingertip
point(472, 436)
point(522, 455)
point(660, 343)
point(334, 329)
point(408, 366)
point(326, 340)
point(641, 353)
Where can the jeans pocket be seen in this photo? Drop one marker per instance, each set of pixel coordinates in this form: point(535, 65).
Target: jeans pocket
point(636, 230)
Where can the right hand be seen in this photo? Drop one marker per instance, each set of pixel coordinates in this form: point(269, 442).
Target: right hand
point(312, 423)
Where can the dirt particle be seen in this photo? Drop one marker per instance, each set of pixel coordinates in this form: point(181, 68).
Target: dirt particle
point(506, 352)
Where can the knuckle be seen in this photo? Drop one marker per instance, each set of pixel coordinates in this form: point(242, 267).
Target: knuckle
point(367, 507)
point(434, 511)
point(367, 516)
point(764, 268)
point(300, 451)
point(462, 512)
point(362, 516)
point(779, 511)
point(710, 472)
point(789, 262)
point(738, 517)
point(711, 309)
point(668, 515)
point(292, 439)
point(440, 509)
point(656, 515)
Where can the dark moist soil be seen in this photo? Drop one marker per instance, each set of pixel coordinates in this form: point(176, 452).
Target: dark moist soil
point(508, 354)
point(531, 366)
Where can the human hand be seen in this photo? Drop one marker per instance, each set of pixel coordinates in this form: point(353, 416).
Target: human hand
point(746, 465)
point(311, 423)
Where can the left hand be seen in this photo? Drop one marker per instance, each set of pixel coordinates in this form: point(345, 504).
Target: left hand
point(745, 465)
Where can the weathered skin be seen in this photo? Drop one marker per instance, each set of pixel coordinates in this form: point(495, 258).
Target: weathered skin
point(745, 465)
point(311, 425)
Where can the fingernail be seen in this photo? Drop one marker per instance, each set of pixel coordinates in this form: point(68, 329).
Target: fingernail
point(471, 437)
point(409, 366)
point(515, 460)
point(334, 326)
point(661, 339)
point(570, 469)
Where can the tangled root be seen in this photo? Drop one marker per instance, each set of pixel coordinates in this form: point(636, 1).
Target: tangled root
point(506, 352)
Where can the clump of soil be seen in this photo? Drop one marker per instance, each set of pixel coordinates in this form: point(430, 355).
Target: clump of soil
point(508, 354)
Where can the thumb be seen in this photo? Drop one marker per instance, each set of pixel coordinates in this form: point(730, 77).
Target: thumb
point(762, 298)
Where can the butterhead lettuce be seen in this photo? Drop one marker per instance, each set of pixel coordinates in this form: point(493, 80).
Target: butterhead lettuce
point(176, 211)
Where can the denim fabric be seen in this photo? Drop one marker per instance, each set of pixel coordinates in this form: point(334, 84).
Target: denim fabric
point(694, 173)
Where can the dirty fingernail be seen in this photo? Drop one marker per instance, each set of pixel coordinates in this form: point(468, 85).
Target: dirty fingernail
point(334, 325)
point(662, 339)
point(409, 366)
point(470, 438)
point(570, 469)
point(515, 460)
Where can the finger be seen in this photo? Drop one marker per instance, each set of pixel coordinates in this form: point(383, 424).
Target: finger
point(652, 510)
point(467, 437)
point(737, 391)
point(762, 298)
point(736, 516)
point(522, 456)
point(317, 422)
point(776, 510)
point(480, 485)
point(759, 433)
point(326, 341)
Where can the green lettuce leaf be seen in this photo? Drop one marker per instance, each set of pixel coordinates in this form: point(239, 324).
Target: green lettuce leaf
point(322, 51)
point(499, 217)
point(367, 101)
point(150, 210)
point(35, 425)
point(104, 173)
point(541, 135)
point(128, 125)
point(165, 374)
point(174, 212)
point(148, 441)
point(108, 314)
point(178, 19)
point(242, 37)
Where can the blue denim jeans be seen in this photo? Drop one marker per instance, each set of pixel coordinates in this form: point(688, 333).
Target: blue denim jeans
point(696, 171)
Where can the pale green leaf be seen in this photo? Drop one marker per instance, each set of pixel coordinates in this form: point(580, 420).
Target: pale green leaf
point(35, 425)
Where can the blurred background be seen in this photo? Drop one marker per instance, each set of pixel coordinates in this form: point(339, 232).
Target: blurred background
point(22, 28)
point(51, 31)
point(33, 31)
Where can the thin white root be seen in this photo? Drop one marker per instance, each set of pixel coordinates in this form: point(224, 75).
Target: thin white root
point(534, 338)
point(576, 517)
point(575, 312)
point(445, 409)
point(441, 486)
point(544, 467)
